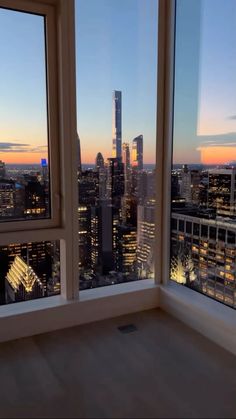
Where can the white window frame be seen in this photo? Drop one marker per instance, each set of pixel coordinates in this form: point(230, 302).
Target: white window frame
point(63, 224)
point(165, 104)
point(54, 220)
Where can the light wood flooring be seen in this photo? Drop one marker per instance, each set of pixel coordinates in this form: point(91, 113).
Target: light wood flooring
point(162, 370)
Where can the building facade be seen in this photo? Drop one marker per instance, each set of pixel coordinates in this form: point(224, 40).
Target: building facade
point(117, 124)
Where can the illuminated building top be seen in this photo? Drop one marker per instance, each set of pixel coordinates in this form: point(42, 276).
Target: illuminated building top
point(22, 274)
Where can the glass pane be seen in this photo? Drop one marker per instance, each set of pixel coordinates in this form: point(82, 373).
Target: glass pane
point(204, 147)
point(29, 271)
point(24, 171)
point(116, 102)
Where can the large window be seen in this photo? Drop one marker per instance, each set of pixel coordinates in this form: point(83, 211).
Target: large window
point(25, 188)
point(29, 157)
point(116, 94)
point(204, 147)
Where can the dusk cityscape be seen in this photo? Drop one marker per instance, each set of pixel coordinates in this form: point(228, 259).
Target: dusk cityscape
point(28, 270)
point(116, 211)
point(116, 112)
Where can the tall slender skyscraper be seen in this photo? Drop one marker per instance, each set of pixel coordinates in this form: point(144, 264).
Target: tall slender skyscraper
point(126, 155)
point(126, 163)
point(79, 154)
point(137, 152)
point(117, 124)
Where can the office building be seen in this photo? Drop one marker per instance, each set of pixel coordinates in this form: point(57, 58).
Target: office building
point(190, 185)
point(79, 154)
point(7, 198)
point(137, 153)
point(146, 240)
point(203, 254)
point(44, 170)
point(117, 124)
point(115, 180)
point(222, 191)
point(22, 283)
point(2, 169)
point(127, 169)
point(35, 199)
point(102, 260)
point(126, 249)
point(88, 184)
point(99, 162)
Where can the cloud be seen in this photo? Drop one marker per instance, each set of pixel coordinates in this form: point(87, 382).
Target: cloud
point(10, 147)
point(222, 140)
point(232, 117)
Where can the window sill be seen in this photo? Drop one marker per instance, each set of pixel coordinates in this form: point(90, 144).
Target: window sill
point(52, 313)
point(211, 318)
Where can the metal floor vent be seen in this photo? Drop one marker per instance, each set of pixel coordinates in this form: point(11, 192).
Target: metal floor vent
point(127, 328)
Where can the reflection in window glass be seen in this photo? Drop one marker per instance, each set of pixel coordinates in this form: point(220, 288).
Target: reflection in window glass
point(29, 271)
point(116, 95)
point(24, 173)
point(204, 147)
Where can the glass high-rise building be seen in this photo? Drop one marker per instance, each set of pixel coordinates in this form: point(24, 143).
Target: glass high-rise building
point(137, 152)
point(117, 124)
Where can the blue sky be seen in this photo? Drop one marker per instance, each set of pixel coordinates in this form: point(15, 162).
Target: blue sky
point(116, 49)
point(205, 82)
point(23, 116)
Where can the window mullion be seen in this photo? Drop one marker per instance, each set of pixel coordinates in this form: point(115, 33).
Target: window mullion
point(67, 88)
point(166, 33)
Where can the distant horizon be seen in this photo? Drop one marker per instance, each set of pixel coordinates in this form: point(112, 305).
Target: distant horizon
point(145, 164)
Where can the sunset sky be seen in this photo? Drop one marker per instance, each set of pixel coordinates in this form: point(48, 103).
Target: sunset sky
point(117, 50)
point(205, 82)
point(23, 119)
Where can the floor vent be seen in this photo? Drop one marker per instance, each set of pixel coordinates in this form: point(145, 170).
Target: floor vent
point(127, 328)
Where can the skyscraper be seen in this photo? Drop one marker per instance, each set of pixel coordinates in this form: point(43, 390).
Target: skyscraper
point(126, 162)
point(126, 155)
point(2, 169)
point(79, 154)
point(146, 240)
point(116, 124)
point(221, 191)
point(137, 152)
point(99, 162)
point(22, 283)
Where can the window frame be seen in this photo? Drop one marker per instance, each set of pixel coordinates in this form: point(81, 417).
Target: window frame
point(165, 104)
point(61, 104)
point(47, 11)
point(70, 308)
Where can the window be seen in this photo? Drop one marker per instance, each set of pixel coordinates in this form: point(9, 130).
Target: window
point(231, 237)
point(116, 95)
point(213, 233)
point(30, 184)
point(204, 144)
point(188, 227)
point(181, 225)
point(28, 174)
point(205, 263)
point(204, 230)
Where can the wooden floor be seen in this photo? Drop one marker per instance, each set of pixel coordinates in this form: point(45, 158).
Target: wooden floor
point(164, 369)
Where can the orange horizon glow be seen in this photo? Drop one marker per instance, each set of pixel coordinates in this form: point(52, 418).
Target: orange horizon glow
point(208, 155)
point(18, 158)
point(217, 155)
